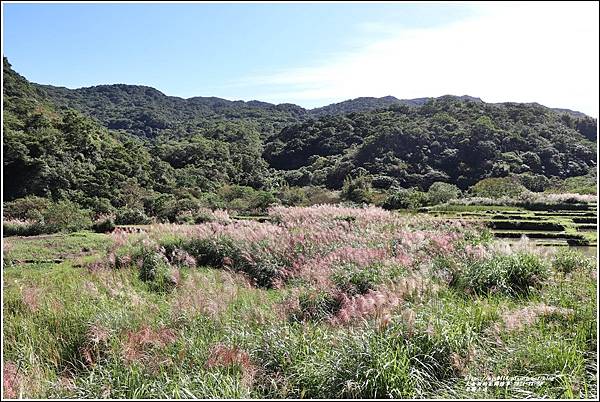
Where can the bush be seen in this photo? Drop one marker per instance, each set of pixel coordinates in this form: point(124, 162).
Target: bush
point(99, 206)
point(261, 201)
point(292, 196)
point(320, 195)
point(178, 210)
point(30, 207)
point(497, 187)
point(357, 189)
point(155, 270)
point(246, 200)
point(567, 260)
point(63, 216)
point(211, 251)
point(23, 228)
point(406, 199)
point(440, 192)
point(533, 182)
point(513, 274)
point(224, 252)
point(383, 182)
point(104, 225)
point(578, 184)
point(66, 216)
point(131, 217)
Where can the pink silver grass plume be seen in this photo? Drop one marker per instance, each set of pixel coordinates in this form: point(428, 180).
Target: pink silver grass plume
point(12, 380)
point(222, 356)
point(521, 318)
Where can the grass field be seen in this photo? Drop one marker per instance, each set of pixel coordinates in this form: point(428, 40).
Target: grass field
point(325, 302)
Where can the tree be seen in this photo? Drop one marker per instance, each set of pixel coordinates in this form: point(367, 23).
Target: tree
point(440, 192)
point(357, 189)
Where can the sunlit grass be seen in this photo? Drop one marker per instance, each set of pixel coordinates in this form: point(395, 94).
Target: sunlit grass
point(76, 329)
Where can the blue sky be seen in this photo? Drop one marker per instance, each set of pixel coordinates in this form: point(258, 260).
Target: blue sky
point(309, 54)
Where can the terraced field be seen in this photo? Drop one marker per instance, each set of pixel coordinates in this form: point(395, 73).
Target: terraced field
point(562, 224)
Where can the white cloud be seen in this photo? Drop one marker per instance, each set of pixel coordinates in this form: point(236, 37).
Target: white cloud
point(535, 52)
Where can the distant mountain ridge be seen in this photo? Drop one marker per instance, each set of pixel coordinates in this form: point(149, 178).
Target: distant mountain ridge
point(360, 104)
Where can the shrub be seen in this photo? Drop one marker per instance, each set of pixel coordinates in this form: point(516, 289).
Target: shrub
point(292, 196)
point(440, 192)
point(155, 270)
point(513, 274)
point(179, 211)
point(496, 187)
point(567, 260)
point(534, 182)
point(22, 228)
point(357, 189)
point(131, 217)
point(65, 216)
point(406, 199)
point(320, 195)
point(261, 201)
point(99, 206)
point(184, 217)
point(224, 252)
point(211, 251)
point(203, 216)
point(577, 184)
point(104, 225)
point(383, 182)
point(246, 199)
point(30, 207)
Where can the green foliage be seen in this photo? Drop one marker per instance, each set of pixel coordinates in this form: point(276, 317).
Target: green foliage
point(66, 216)
point(224, 252)
point(513, 274)
point(315, 305)
point(585, 184)
point(104, 225)
point(44, 217)
point(353, 281)
point(30, 207)
point(406, 199)
point(440, 193)
point(449, 139)
point(20, 228)
point(319, 195)
point(129, 147)
point(497, 187)
point(292, 196)
point(568, 260)
point(129, 216)
point(155, 270)
point(357, 189)
point(533, 182)
point(246, 200)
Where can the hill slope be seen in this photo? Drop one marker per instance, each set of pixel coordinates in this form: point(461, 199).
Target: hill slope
point(101, 144)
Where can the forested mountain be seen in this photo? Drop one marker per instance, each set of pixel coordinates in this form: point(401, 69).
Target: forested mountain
point(54, 153)
point(366, 104)
point(115, 145)
point(447, 139)
point(147, 112)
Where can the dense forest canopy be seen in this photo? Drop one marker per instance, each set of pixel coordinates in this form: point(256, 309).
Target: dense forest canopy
point(115, 146)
